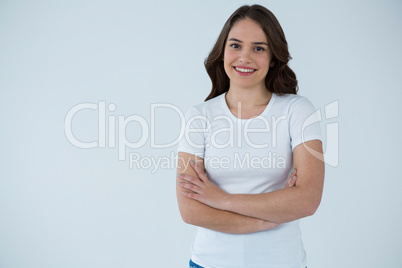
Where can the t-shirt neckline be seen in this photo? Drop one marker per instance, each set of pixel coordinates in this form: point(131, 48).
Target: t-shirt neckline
point(226, 108)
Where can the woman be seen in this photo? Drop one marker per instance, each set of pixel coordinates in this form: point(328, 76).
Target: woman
point(240, 146)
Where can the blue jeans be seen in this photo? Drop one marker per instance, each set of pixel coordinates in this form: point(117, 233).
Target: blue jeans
point(194, 265)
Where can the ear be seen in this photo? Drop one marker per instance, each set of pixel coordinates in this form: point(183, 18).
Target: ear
point(272, 64)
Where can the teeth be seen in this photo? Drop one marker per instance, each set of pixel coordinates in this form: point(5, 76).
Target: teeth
point(244, 70)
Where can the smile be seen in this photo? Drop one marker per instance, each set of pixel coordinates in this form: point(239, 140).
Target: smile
point(244, 71)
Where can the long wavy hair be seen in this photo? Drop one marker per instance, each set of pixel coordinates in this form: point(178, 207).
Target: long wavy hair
point(280, 78)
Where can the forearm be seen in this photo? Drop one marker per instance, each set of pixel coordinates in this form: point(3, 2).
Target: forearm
point(199, 214)
point(279, 206)
point(292, 203)
point(196, 213)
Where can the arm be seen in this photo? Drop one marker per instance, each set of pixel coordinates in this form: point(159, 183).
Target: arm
point(280, 206)
point(196, 213)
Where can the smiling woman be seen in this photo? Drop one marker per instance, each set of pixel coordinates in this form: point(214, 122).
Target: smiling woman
point(247, 209)
point(263, 27)
point(247, 57)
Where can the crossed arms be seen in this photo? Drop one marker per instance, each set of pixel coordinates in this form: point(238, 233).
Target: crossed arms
point(203, 204)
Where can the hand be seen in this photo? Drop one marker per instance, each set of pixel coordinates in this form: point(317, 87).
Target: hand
point(292, 180)
point(202, 189)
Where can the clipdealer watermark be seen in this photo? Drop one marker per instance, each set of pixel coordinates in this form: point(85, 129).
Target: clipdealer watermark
point(112, 134)
point(246, 161)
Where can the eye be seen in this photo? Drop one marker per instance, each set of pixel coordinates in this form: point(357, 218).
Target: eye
point(234, 45)
point(260, 49)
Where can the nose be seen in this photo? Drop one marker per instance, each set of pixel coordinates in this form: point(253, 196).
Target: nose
point(245, 57)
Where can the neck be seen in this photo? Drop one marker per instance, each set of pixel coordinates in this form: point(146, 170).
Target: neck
point(247, 97)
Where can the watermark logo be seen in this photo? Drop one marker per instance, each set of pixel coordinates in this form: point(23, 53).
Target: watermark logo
point(107, 124)
point(112, 133)
point(331, 155)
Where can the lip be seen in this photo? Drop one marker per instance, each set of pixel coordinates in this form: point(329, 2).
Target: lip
point(244, 67)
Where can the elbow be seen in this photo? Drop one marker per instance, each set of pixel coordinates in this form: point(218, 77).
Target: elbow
point(312, 207)
point(187, 216)
point(312, 200)
point(190, 219)
point(310, 211)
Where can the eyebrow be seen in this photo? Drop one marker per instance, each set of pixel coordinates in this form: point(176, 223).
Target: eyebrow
point(254, 43)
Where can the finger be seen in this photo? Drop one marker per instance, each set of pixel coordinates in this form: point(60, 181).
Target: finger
point(190, 179)
point(193, 188)
point(199, 171)
point(291, 181)
point(191, 195)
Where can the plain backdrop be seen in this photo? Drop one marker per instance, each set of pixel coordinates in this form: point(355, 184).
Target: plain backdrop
point(65, 206)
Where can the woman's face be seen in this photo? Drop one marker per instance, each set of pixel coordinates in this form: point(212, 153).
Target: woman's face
point(247, 57)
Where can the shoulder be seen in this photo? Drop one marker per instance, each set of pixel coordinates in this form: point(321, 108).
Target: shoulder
point(207, 108)
point(293, 103)
point(290, 98)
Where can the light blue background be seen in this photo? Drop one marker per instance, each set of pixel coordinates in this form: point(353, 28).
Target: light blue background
point(63, 206)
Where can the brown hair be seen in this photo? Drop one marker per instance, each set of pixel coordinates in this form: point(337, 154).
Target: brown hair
point(280, 78)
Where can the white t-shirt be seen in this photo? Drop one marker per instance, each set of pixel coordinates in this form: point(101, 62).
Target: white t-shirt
point(250, 156)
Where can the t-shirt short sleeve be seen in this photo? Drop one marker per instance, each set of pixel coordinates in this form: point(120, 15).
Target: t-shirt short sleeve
point(195, 129)
point(304, 122)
